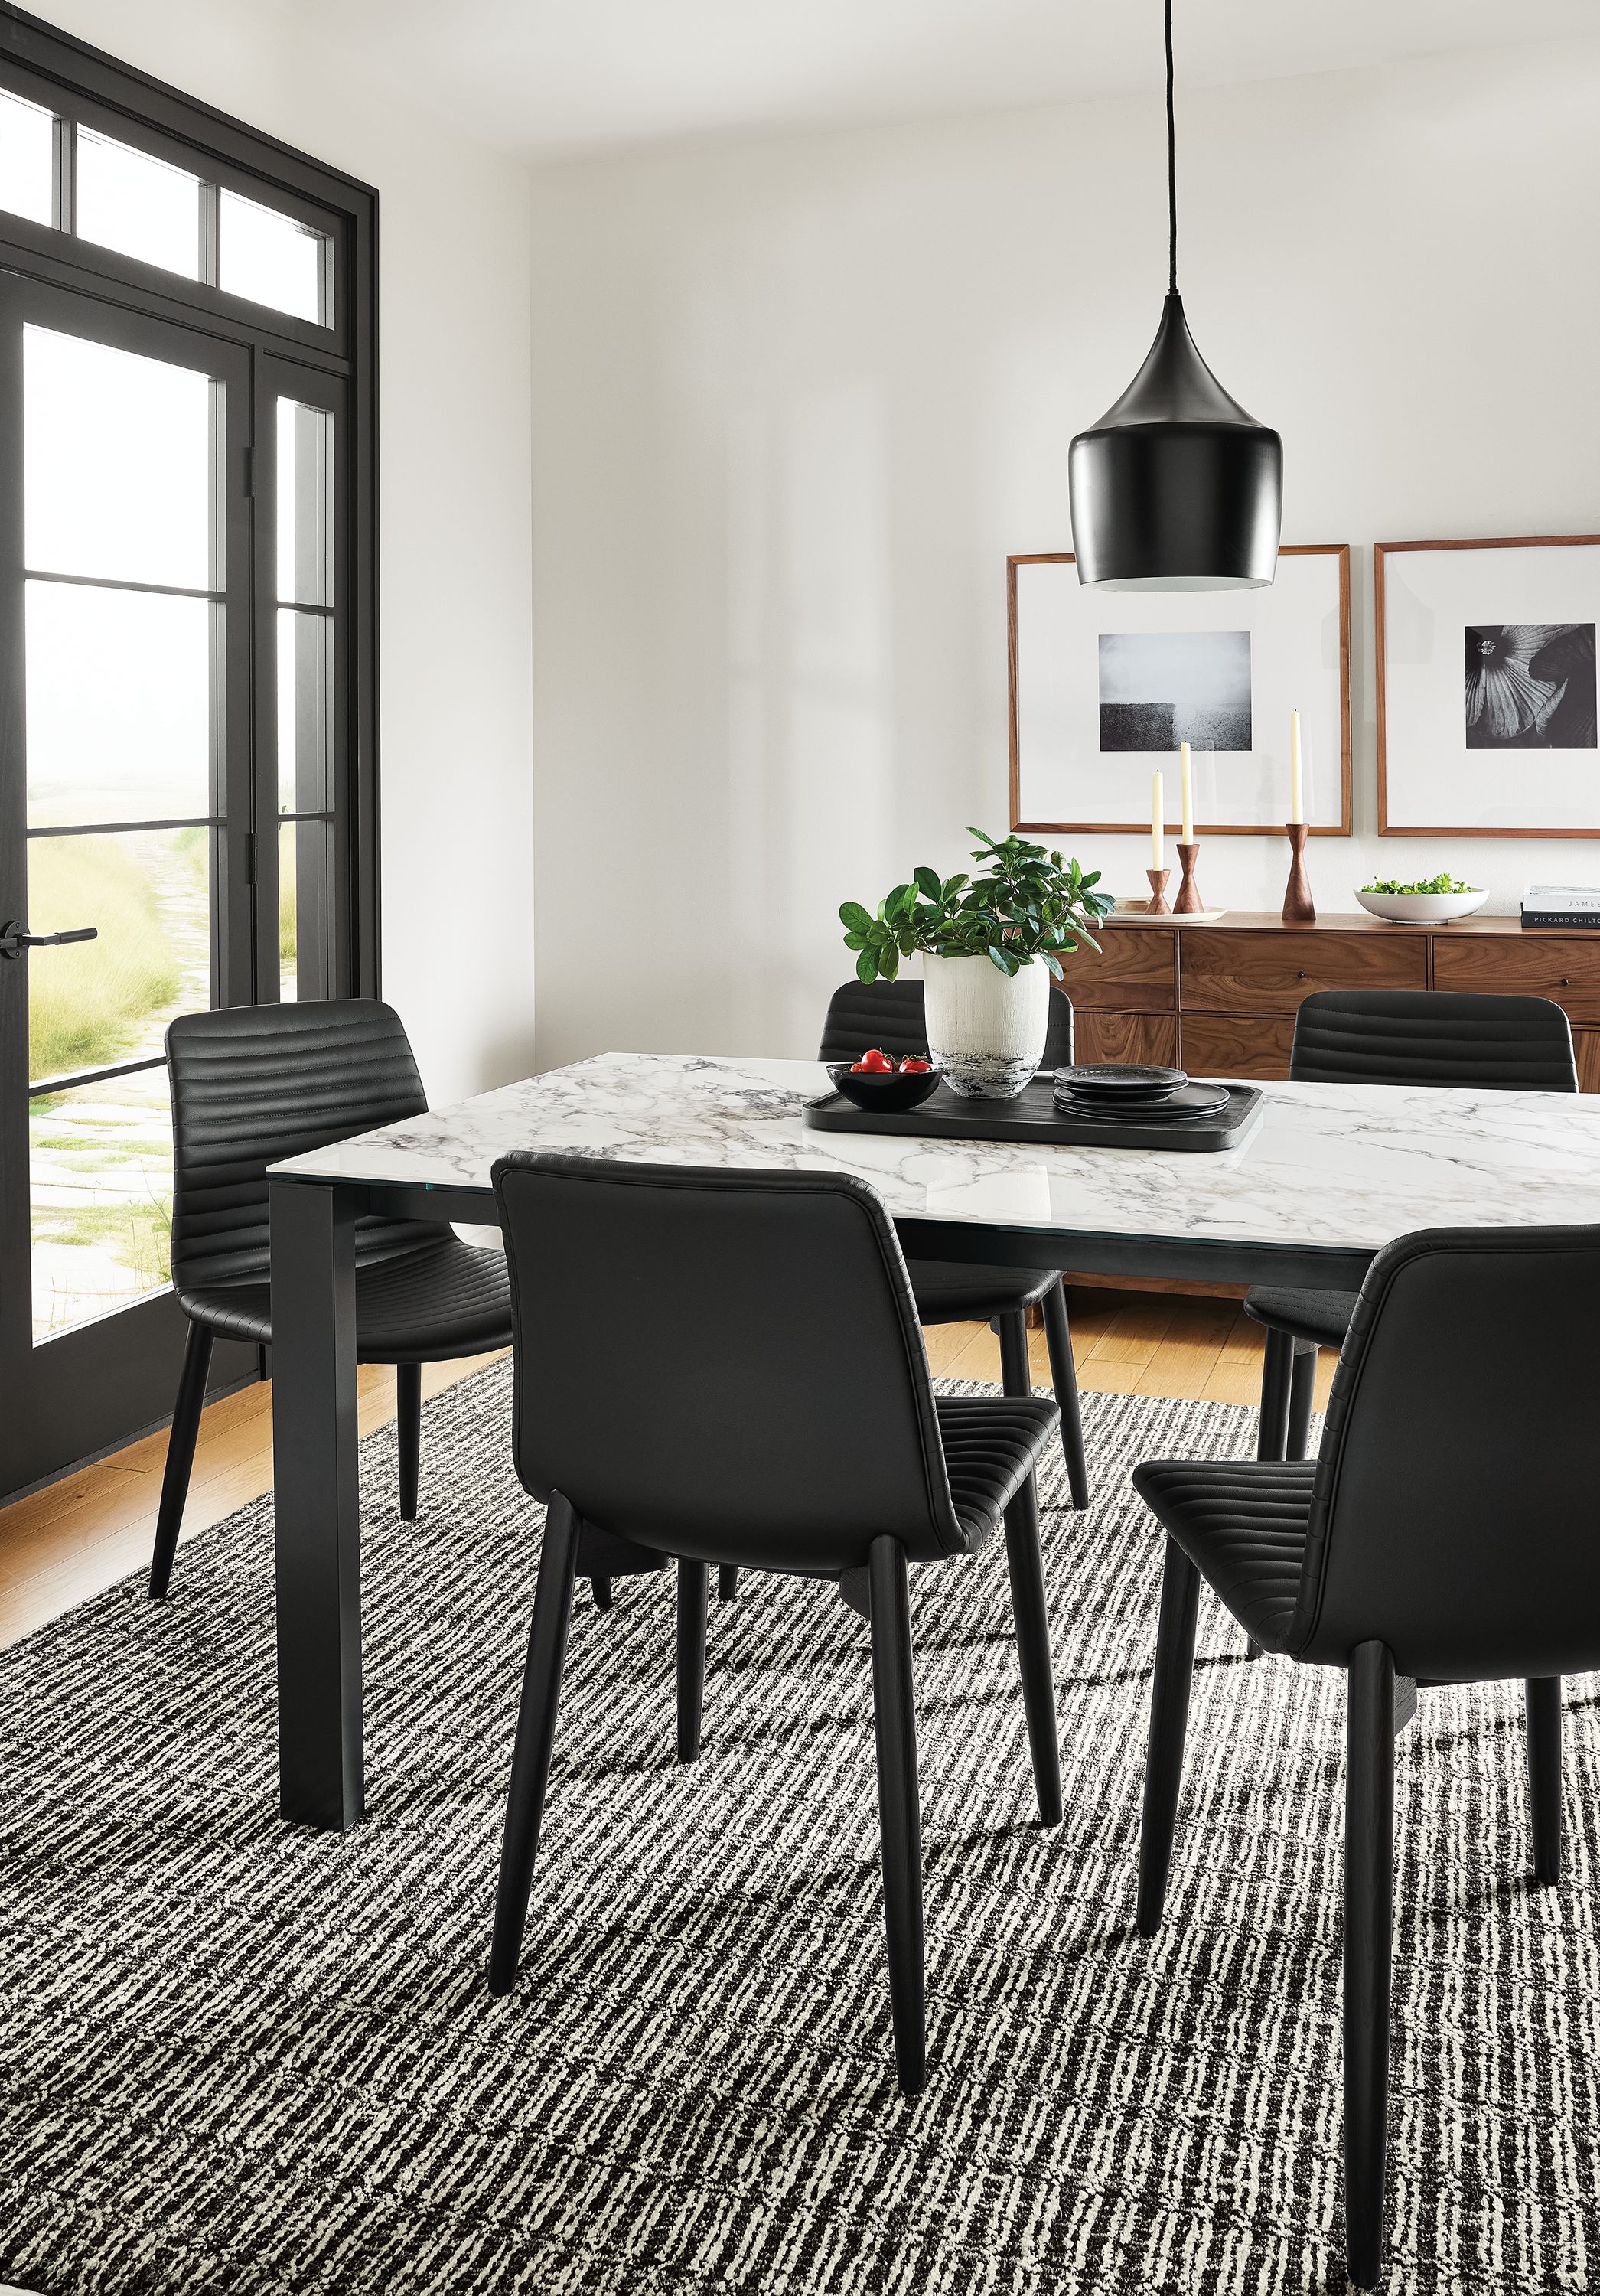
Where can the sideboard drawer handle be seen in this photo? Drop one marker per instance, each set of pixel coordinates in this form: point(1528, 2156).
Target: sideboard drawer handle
point(1564, 982)
point(1301, 976)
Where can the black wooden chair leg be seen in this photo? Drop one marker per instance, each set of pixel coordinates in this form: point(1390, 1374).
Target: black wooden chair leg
point(727, 1582)
point(536, 1735)
point(1543, 1775)
point(1302, 1389)
point(1368, 1947)
point(693, 1589)
point(1029, 1611)
point(1277, 1376)
point(1064, 1378)
point(409, 1434)
point(1168, 1723)
point(894, 1718)
point(1016, 1376)
point(180, 1457)
point(600, 1586)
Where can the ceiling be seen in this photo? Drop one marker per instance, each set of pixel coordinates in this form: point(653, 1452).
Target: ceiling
point(552, 78)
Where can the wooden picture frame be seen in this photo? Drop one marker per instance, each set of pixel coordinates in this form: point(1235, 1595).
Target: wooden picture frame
point(1144, 609)
point(1403, 790)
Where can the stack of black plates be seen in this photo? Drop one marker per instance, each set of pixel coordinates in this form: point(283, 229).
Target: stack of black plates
point(1123, 1092)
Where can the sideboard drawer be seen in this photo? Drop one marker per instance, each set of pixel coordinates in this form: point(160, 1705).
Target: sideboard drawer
point(1149, 1039)
point(1274, 972)
point(1136, 971)
point(1252, 1045)
point(1563, 966)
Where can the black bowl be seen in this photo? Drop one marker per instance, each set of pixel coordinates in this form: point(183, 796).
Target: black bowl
point(889, 1095)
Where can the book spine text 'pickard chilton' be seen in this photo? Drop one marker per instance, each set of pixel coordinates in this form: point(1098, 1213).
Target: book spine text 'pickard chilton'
point(1562, 908)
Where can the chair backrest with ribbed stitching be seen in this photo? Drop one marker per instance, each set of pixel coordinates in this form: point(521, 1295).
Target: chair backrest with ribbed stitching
point(1437, 1036)
point(726, 1365)
point(255, 1083)
point(1455, 1514)
point(889, 1014)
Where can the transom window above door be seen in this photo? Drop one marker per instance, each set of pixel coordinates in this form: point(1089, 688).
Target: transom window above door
point(57, 169)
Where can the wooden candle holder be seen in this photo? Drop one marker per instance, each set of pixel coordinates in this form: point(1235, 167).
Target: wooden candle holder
point(1157, 904)
point(1188, 903)
point(1298, 907)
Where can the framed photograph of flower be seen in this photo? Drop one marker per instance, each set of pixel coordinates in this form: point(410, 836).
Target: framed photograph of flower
point(1106, 684)
point(1486, 687)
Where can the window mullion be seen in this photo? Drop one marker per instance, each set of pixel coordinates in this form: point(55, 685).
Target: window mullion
point(210, 233)
point(63, 190)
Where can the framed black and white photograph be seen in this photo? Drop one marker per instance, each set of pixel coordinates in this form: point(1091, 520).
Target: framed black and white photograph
point(1106, 686)
point(1486, 687)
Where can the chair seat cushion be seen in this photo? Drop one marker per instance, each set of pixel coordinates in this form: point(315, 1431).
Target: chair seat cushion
point(991, 1445)
point(1242, 1522)
point(957, 1292)
point(1323, 1317)
point(439, 1300)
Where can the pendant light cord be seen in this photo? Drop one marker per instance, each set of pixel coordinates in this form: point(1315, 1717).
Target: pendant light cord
point(1171, 169)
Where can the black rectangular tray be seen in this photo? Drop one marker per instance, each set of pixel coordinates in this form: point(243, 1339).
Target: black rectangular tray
point(1032, 1116)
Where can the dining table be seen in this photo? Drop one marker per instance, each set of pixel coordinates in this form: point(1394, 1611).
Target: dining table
point(1329, 1175)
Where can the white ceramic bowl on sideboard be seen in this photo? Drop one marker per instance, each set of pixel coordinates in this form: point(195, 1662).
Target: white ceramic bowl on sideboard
point(1422, 909)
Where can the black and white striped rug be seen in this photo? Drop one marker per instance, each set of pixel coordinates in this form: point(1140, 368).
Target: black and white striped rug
point(239, 2058)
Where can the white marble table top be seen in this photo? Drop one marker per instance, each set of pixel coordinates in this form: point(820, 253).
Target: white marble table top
point(1329, 1166)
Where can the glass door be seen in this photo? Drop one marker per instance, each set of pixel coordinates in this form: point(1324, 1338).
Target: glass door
point(302, 719)
point(125, 819)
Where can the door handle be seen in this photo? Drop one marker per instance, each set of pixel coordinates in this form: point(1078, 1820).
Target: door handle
point(15, 937)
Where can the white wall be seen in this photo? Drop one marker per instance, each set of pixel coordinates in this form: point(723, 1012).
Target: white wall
point(454, 496)
point(796, 399)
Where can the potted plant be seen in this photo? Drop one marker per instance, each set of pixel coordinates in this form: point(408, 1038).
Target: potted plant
point(991, 944)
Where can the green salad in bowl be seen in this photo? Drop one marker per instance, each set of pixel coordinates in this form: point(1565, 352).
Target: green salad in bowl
point(1425, 901)
point(1443, 883)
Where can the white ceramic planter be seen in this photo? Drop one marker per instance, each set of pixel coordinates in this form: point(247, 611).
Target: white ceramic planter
point(985, 1033)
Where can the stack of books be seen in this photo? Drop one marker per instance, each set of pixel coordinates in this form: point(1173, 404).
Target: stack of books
point(1562, 906)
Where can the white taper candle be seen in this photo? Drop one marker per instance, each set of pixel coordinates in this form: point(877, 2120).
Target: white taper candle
point(1297, 807)
point(1157, 822)
point(1188, 796)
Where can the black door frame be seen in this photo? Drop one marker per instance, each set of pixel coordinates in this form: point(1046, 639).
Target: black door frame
point(125, 1365)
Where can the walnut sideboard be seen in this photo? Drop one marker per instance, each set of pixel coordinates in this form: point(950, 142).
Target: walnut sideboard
point(1218, 996)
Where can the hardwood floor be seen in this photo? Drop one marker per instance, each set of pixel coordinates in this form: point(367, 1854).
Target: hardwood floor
point(83, 1534)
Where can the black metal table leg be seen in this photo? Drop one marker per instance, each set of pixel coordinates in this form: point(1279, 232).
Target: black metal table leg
point(316, 1503)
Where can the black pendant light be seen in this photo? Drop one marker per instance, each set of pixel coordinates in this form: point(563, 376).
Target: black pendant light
point(1176, 488)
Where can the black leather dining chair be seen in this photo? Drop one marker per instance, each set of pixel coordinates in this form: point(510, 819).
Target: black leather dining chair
point(1394, 1037)
point(251, 1084)
point(889, 1013)
point(1445, 1533)
point(707, 1428)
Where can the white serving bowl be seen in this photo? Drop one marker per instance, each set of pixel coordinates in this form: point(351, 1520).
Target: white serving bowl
point(1422, 909)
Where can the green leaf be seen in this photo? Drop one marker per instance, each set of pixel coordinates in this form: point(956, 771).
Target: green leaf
point(998, 955)
point(928, 884)
point(852, 914)
point(855, 941)
point(866, 965)
point(1053, 964)
point(889, 962)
